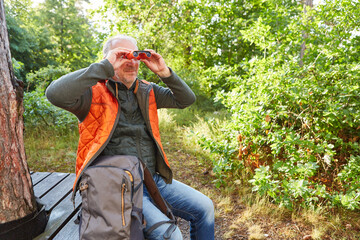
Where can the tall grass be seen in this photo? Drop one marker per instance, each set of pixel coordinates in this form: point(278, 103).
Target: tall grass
point(49, 149)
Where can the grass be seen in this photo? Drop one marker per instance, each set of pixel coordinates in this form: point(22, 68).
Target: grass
point(50, 149)
point(240, 214)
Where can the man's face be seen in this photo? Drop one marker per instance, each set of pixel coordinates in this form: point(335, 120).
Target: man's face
point(128, 69)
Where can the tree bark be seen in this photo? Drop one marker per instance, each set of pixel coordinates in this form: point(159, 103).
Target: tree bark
point(16, 193)
point(306, 4)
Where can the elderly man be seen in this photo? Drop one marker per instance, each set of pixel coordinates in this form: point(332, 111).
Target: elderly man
point(124, 109)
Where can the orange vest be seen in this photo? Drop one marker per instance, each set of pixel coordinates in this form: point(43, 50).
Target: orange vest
point(99, 123)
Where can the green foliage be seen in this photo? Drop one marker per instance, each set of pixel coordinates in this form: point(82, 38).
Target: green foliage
point(220, 145)
point(350, 173)
point(54, 33)
point(29, 42)
point(18, 67)
point(298, 119)
point(40, 112)
point(44, 76)
point(75, 45)
point(219, 79)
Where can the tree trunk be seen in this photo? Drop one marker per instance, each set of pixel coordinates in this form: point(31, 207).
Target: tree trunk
point(306, 4)
point(16, 193)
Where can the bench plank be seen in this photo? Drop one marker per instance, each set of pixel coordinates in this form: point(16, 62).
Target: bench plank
point(70, 231)
point(60, 216)
point(38, 177)
point(59, 192)
point(46, 185)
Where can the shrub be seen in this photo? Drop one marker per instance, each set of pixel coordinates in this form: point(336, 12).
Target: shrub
point(43, 77)
point(303, 125)
point(40, 112)
point(298, 121)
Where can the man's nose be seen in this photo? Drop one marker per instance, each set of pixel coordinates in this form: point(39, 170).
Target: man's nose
point(133, 61)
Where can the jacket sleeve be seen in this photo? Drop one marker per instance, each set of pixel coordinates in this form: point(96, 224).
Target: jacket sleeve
point(177, 95)
point(72, 91)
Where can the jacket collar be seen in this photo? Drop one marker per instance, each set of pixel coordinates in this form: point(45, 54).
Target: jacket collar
point(111, 85)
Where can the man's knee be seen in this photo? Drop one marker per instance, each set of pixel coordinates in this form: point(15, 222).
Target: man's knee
point(208, 209)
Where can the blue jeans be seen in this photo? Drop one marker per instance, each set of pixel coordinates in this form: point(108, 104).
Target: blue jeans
point(186, 203)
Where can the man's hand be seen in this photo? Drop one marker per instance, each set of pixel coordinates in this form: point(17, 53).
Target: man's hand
point(157, 64)
point(115, 57)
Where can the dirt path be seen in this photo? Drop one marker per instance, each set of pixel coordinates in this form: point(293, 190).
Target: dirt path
point(188, 170)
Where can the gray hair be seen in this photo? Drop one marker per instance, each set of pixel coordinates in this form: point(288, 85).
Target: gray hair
point(107, 45)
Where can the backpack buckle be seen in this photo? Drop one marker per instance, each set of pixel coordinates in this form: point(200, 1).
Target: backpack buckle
point(83, 186)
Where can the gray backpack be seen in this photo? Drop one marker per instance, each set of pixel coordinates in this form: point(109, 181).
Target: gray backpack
point(112, 196)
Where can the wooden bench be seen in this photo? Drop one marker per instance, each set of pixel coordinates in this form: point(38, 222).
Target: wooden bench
point(55, 190)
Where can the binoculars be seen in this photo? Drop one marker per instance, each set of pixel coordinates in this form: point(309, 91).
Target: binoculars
point(138, 55)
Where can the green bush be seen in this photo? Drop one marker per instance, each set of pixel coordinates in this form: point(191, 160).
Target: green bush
point(40, 112)
point(298, 121)
point(43, 77)
point(222, 149)
point(18, 68)
point(299, 133)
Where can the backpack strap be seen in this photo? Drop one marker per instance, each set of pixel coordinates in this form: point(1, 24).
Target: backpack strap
point(160, 203)
point(168, 232)
point(155, 194)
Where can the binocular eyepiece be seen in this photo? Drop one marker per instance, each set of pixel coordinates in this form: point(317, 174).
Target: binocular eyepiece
point(138, 55)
